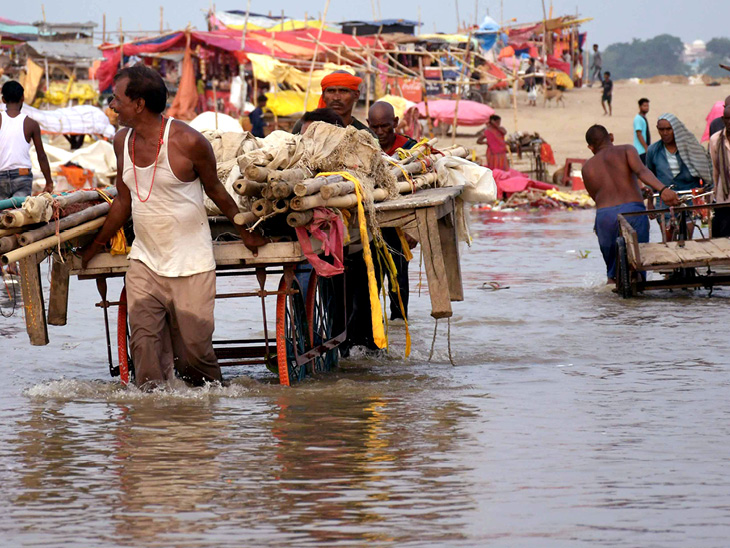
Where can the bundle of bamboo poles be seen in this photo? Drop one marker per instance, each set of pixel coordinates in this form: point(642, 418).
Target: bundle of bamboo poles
point(296, 192)
point(21, 236)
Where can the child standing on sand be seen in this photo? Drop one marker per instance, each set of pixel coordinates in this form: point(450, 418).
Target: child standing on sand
point(607, 97)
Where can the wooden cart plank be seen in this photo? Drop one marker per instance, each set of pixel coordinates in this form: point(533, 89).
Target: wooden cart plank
point(433, 260)
point(450, 251)
point(722, 244)
point(226, 253)
point(655, 255)
point(30, 288)
point(58, 298)
point(423, 198)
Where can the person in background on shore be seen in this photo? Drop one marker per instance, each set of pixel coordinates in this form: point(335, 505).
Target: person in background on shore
point(596, 65)
point(607, 96)
point(383, 121)
point(642, 136)
point(677, 159)
point(17, 131)
point(718, 124)
point(257, 117)
point(720, 154)
point(496, 146)
point(611, 178)
point(200, 87)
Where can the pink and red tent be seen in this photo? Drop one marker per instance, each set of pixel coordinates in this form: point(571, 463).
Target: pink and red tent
point(470, 113)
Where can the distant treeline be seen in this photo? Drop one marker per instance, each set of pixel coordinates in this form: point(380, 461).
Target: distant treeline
point(662, 55)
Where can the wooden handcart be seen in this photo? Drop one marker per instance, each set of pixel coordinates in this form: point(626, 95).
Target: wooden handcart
point(308, 326)
point(688, 263)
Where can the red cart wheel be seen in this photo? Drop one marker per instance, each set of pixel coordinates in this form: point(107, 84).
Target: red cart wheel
point(292, 333)
point(122, 338)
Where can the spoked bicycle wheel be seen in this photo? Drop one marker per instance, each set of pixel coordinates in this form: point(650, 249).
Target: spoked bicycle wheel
point(292, 332)
point(321, 304)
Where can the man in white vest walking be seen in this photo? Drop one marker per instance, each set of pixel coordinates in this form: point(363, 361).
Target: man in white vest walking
point(17, 131)
point(163, 168)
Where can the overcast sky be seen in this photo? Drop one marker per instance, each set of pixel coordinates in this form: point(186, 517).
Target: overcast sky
point(614, 20)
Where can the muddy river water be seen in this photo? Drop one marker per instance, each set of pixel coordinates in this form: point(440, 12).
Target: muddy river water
point(570, 418)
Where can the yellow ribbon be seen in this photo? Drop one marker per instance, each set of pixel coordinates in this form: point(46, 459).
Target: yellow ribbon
point(119, 240)
point(376, 312)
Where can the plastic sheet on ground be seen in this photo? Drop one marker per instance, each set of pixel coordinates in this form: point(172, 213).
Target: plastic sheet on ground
point(98, 157)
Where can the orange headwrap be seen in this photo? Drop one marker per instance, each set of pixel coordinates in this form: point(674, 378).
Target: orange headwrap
point(340, 80)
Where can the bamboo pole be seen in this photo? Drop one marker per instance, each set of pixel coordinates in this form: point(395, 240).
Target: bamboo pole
point(458, 90)
point(256, 173)
point(429, 121)
point(48, 243)
point(248, 188)
point(244, 218)
point(8, 243)
point(299, 218)
point(261, 207)
point(65, 223)
point(280, 206)
point(314, 56)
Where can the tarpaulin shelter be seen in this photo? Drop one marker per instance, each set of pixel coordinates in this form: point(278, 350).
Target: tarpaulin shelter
point(221, 41)
point(470, 113)
point(379, 26)
point(15, 32)
point(236, 20)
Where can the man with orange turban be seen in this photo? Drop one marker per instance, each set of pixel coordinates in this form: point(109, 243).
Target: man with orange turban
point(340, 92)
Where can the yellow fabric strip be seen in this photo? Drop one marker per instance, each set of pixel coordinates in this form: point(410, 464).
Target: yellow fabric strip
point(376, 312)
point(119, 240)
point(404, 244)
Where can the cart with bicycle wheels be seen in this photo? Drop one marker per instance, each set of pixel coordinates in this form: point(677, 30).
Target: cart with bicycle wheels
point(310, 309)
point(685, 262)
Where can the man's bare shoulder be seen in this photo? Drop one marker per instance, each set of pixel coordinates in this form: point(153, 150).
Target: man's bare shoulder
point(186, 137)
point(119, 138)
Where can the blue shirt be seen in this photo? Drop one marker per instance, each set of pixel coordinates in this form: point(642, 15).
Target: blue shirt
point(656, 161)
point(640, 125)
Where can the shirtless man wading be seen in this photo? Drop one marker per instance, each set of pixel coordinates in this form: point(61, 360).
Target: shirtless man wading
point(610, 177)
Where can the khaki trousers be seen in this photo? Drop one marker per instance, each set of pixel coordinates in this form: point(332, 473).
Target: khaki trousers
point(171, 324)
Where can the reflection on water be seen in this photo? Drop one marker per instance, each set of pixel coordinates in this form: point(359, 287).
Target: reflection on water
point(572, 418)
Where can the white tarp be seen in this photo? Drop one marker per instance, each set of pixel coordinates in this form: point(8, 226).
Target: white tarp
point(78, 119)
point(98, 157)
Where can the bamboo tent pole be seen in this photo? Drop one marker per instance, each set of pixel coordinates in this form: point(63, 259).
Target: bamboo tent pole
point(314, 56)
point(465, 68)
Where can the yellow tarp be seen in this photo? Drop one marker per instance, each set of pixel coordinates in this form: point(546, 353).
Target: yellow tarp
point(60, 94)
point(561, 79)
point(286, 103)
point(299, 24)
point(273, 71)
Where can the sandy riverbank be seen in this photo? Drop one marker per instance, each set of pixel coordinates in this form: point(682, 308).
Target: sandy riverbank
point(564, 128)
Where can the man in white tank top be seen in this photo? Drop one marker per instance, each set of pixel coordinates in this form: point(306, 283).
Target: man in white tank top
point(163, 168)
point(16, 133)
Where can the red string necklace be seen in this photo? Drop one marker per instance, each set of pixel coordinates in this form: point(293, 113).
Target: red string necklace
point(157, 156)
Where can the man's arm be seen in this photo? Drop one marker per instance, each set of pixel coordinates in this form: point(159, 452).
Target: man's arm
point(120, 210)
point(35, 132)
point(201, 154)
point(645, 175)
point(640, 136)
